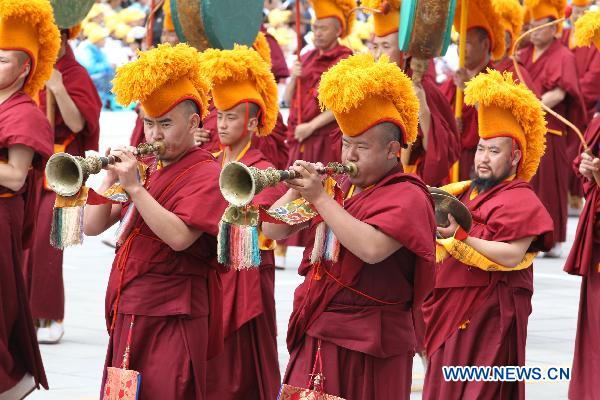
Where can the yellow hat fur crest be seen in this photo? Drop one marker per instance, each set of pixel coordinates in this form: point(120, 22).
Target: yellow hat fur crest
point(262, 47)
point(540, 9)
point(28, 25)
point(587, 29)
point(161, 78)
point(362, 93)
point(241, 75)
point(339, 9)
point(511, 14)
point(481, 14)
point(507, 109)
point(388, 19)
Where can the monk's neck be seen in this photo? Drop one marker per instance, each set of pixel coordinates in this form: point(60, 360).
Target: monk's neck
point(539, 50)
point(329, 48)
point(7, 93)
point(233, 152)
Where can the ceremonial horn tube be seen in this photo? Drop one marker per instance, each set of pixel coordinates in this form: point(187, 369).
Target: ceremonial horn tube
point(66, 174)
point(240, 183)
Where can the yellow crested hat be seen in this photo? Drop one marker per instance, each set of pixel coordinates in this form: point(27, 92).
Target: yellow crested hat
point(340, 9)
point(362, 93)
point(168, 21)
point(28, 26)
point(540, 9)
point(481, 14)
point(241, 75)
point(162, 78)
point(387, 20)
point(581, 3)
point(508, 109)
point(511, 14)
point(261, 46)
point(587, 29)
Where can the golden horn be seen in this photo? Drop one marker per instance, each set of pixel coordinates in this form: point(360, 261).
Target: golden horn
point(66, 174)
point(240, 183)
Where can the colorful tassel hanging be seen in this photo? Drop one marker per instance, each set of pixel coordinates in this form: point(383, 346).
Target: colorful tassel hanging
point(326, 246)
point(67, 220)
point(238, 244)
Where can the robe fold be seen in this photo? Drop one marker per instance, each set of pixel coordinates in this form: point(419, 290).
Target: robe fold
point(325, 144)
point(443, 145)
point(365, 324)
point(273, 146)
point(279, 66)
point(175, 296)
point(469, 137)
point(248, 368)
point(476, 317)
point(21, 123)
point(584, 260)
point(556, 68)
point(43, 263)
point(507, 65)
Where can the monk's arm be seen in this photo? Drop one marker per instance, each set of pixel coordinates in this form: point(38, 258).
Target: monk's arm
point(282, 231)
point(424, 114)
point(361, 239)
point(553, 97)
point(326, 117)
point(290, 90)
point(509, 254)
point(68, 110)
point(13, 173)
point(98, 218)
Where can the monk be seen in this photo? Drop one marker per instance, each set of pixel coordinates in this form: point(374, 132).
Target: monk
point(76, 129)
point(347, 319)
point(583, 261)
point(477, 317)
point(438, 144)
point(247, 106)
point(166, 243)
point(280, 69)
point(25, 142)
point(485, 42)
point(554, 66)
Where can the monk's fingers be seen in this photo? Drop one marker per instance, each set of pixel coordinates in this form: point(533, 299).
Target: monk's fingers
point(452, 220)
point(586, 156)
point(308, 167)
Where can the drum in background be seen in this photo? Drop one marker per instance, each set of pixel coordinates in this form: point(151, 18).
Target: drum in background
point(69, 13)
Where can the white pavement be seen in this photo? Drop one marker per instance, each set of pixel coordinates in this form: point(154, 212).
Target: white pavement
point(74, 367)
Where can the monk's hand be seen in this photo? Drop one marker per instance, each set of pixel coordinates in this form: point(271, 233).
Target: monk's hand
point(460, 77)
point(589, 165)
point(126, 169)
point(201, 136)
point(55, 83)
point(450, 229)
point(303, 131)
point(111, 175)
point(297, 70)
point(309, 184)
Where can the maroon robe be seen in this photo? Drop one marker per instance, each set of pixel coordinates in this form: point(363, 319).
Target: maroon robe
point(248, 368)
point(477, 317)
point(279, 66)
point(469, 137)
point(175, 296)
point(21, 123)
point(556, 68)
point(443, 147)
point(584, 261)
point(366, 326)
point(43, 263)
point(325, 144)
point(507, 65)
point(273, 146)
point(137, 135)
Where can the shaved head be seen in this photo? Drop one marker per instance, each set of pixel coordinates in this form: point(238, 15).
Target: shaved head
point(188, 108)
point(389, 132)
point(22, 57)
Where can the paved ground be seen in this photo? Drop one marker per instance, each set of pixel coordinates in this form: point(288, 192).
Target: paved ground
point(74, 367)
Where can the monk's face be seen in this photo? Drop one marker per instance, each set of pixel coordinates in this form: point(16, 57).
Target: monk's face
point(387, 45)
point(542, 37)
point(477, 49)
point(326, 32)
point(231, 123)
point(169, 37)
point(495, 159)
point(13, 68)
point(175, 128)
point(374, 152)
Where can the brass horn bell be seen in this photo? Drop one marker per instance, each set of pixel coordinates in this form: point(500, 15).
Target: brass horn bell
point(445, 204)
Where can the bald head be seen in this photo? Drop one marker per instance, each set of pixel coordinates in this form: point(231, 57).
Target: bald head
point(388, 132)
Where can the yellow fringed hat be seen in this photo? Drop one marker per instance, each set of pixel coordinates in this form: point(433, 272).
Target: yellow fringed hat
point(168, 21)
point(241, 75)
point(508, 109)
point(340, 9)
point(581, 3)
point(28, 26)
point(481, 14)
point(587, 29)
point(387, 20)
point(161, 78)
point(362, 93)
point(540, 9)
point(261, 46)
point(511, 14)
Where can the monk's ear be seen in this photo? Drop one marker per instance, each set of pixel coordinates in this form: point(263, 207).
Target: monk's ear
point(252, 124)
point(517, 157)
point(194, 122)
point(394, 149)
